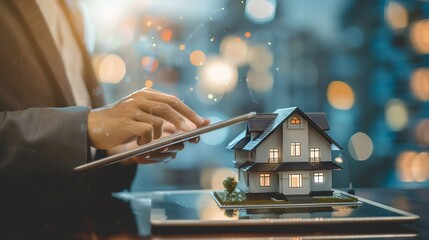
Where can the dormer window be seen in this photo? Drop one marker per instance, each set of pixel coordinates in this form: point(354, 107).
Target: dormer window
point(295, 120)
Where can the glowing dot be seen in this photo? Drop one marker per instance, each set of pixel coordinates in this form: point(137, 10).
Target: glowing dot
point(191, 89)
point(181, 18)
point(396, 114)
point(148, 83)
point(340, 95)
point(149, 63)
point(167, 35)
point(419, 35)
point(215, 73)
point(420, 83)
point(197, 58)
point(210, 96)
point(112, 69)
point(422, 132)
point(154, 45)
point(223, 9)
point(339, 159)
point(234, 49)
point(396, 15)
point(269, 43)
point(403, 166)
point(182, 47)
point(149, 23)
point(277, 69)
point(360, 146)
point(260, 82)
point(247, 34)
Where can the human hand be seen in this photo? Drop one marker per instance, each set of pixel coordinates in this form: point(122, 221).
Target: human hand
point(142, 116)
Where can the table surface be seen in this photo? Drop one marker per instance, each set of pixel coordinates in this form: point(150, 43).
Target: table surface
point(118, 218)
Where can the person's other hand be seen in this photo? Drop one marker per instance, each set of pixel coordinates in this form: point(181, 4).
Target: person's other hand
point(142, 116)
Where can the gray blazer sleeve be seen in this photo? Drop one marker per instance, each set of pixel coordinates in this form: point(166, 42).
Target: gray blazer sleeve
point(41, 146)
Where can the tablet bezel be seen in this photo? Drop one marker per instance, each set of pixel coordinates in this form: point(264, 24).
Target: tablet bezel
point(163, 142)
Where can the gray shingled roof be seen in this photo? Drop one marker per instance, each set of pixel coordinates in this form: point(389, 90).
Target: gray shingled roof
point(272, 122)
point(288, 166)
point(320, 119)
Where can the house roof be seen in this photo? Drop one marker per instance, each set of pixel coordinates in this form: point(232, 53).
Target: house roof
point(320, 119)
point(287, 166)
point(268, 123)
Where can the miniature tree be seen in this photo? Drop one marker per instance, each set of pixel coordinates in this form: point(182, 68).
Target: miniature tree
point(229, 184)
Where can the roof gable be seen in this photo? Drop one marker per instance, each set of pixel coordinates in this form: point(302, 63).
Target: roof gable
point(268, 123)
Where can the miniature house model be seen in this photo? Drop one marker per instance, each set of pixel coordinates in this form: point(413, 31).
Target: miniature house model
point(286, 152)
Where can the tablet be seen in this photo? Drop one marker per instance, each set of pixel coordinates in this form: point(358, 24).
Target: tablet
point(164, 142)
point(197, 208)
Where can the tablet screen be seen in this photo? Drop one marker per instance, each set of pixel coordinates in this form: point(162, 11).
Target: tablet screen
point(163, 142)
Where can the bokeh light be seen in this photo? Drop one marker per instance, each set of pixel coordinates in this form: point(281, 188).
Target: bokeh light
point(396, 114)
point(260, 11)
point(247, 34)
point(234, 49)
point(148, 83)
point(360, 146)
point(260, 58)
point(419, 35)
point(412, 166)
point(215, 137)
point(396, 15)
point(218, 76)
point(420, 167)
point(206, 97)
point(166, 35)
point(340, 95)
point(149, 63)
point(260, 82)
point(403, 166)
point(112, 69)
point(420, 83)
point(197, 58)
point(422, 132)
point(182, 47)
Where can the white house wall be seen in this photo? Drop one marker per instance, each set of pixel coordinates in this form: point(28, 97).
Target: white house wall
point(292, 133)
point(317, 140)
point(254, 183)
point(273, 141)
point(327, 181)
point(306, 183)
point(242, 180)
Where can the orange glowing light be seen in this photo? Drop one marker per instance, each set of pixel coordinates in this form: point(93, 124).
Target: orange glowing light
point(148, 83)
point(149, 63)
point(396, 15)
point(420, 83)
point(247, 34)
point(419, 35)
point(112, 69)
point(182, 47)
point(166, 35)
point(197, 58)
point(340, 95)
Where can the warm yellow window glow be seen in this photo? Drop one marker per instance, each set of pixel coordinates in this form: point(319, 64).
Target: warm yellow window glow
point(295, 180)
point(295, 120)
point(264, 179)
point(273, 155)
point(295, 149)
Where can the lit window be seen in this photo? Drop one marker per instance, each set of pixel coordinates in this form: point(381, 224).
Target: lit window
point(318, 177)
point(295, 180)
point(274, 155)
point(295, 120)
point(295, 149)
point(264, 179)
point(315, 154)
